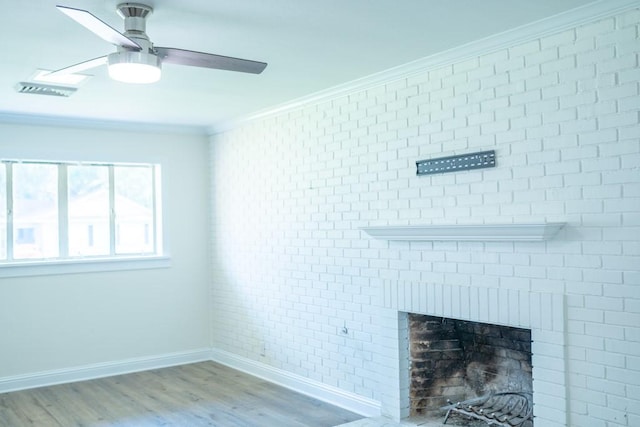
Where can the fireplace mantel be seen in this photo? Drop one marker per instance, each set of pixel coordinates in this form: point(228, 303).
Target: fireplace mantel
point(478, 233)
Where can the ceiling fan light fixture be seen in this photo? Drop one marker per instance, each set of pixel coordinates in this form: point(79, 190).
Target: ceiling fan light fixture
point(134, 67)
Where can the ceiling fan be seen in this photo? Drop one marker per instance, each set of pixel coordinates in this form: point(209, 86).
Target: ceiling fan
point(137, 60)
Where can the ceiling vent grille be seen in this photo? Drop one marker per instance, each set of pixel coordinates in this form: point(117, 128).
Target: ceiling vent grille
point(40, 89)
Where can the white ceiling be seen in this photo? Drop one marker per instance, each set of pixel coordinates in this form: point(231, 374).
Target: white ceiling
point(309, 45)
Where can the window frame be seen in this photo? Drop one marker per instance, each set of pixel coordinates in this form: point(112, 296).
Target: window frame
point(64, 263)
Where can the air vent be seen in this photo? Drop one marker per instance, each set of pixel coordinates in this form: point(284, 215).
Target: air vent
point(40, 89)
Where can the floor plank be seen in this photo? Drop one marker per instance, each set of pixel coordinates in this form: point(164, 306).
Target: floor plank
point(199, 394)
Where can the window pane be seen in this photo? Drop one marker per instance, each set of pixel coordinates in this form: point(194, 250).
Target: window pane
point(88, 189)
point(134, 209)
point(3, 211)
point(35, 211)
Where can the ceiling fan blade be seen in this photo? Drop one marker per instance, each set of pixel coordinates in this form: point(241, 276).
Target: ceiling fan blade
point(99, 27)
point(209, 60)
point(82, 66)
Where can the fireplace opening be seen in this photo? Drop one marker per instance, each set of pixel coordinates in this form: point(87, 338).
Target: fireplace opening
point(454, 361)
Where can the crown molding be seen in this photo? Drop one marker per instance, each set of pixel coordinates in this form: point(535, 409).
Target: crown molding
point(537, 29)
point(85, 123)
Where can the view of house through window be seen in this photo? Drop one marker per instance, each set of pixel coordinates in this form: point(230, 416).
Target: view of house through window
point(89, 211)
point(133, 203)
point(35, 210)
point(59, 210)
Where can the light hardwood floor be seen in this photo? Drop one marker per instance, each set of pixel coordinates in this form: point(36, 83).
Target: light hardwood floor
point(199, 394)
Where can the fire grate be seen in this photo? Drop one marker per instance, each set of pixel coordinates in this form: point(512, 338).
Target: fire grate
point(506, 409)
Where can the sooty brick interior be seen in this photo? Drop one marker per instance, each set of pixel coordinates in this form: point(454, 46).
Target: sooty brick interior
point(458, 360)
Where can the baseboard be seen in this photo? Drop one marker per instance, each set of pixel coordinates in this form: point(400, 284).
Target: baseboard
point(333, 395)
point(100, 370)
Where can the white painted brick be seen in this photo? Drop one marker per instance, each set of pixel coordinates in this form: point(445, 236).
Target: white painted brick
point(519, 50)
point(626, 63)
point(559, 116)
point(585, 73)
point(560, 90)
point(587, 420)
point(596, 56)
point(461, 91)
point(467, 65)
point(618, 120)
point(569, 154)
point(545, 55)
point(618, 91)
point(442, 115)
point(606, 414)
point(510, 88)
point(622, 318)
point(618, 36)
point(559, 65)
point(480, 73)
point(441, 72)
point(513, 63)
point(541, 81)
point(579, 46)
point(588, 396)
point(566, 37)
point(493, 57)
point(566, 167)
point(629, 104)
point(489, 86)
point(600, 164)
point(493, 127)
point(631, 18)
point(632, 74)
point(595, 110)
point(596, 28)
point(607, 358)
point(512, 112)
point(480, 118)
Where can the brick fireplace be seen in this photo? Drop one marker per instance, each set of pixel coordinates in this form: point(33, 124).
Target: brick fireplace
point(540, 313)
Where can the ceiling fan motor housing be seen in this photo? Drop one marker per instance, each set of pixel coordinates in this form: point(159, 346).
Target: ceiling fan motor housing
point(135, 23)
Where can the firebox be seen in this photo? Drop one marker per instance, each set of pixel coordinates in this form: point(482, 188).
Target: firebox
point(455, 361)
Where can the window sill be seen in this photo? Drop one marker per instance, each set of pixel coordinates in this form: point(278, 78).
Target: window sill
point(74, 266)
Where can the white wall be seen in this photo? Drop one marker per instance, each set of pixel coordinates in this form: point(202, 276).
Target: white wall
point(67, 322)
point(289, 192)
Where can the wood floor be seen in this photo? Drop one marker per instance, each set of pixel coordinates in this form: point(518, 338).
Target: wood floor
point(200, 394)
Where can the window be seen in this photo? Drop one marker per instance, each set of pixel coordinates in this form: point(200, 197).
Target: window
point(34, 207)
point(52, 211)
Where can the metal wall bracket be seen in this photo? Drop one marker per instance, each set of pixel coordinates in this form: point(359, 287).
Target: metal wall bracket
point(479, 160)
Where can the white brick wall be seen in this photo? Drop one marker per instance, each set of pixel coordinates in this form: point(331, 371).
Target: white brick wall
point(291, 268)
